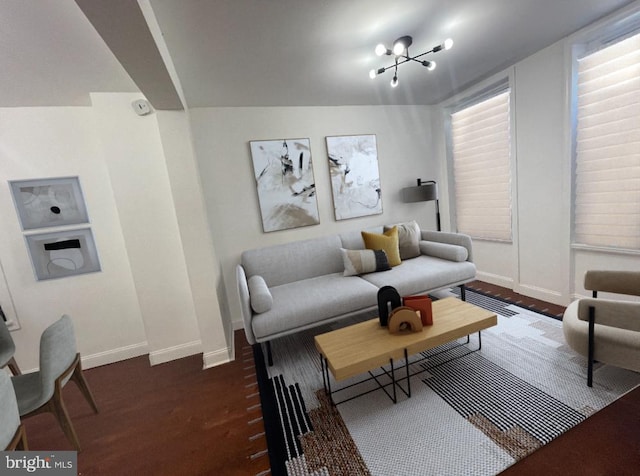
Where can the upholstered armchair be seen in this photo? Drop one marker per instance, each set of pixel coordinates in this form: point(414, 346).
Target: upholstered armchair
point(606, 330)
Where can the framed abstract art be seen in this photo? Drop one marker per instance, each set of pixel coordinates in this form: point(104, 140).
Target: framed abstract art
point(63, 253)
point(355, 176)
point(49, 202)
point(285, 183)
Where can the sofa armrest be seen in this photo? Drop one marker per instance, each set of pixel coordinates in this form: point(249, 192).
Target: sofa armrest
point(450, 238)
point(245, 304)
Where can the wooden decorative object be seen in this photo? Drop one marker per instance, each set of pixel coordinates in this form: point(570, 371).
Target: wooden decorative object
point(404, 318)
point(388, 300)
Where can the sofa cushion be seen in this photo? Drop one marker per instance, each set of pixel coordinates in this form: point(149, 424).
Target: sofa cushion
point(424, 273)
point(260, 297)
point(388, 241)
point(352, 240)
point(364, 261)
point(286, 263)
point(409, 235)
point(444, 250)
point(308, 302)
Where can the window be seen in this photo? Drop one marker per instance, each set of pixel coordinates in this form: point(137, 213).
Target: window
point(481, 150)
point(607, 147)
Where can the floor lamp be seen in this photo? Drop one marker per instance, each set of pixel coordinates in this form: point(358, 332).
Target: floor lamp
point(423, 192)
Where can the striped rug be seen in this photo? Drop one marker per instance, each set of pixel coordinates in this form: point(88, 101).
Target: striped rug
point(471, 412)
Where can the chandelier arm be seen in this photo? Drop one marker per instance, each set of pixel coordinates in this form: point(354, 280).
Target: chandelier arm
point(406, 59)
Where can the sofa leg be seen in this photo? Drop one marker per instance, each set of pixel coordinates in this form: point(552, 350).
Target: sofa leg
point(269, 356)
point(463, 292)
point(592, 321)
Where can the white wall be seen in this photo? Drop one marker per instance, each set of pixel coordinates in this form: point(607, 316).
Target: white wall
point(221, 141)
point(156, 292)
point(544, 186)
point(541, 262)
point(53, 142)
point(203, 267)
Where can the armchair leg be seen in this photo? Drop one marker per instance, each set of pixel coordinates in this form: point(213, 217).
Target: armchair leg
point(592, 321)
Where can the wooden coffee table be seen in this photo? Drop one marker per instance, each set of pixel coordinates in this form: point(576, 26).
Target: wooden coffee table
point(363, 347)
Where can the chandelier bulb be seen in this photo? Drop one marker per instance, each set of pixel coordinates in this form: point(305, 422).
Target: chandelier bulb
point(381, 49)
point(373, 74)
point(398, 48)
point(448, 43)
point(394, 82)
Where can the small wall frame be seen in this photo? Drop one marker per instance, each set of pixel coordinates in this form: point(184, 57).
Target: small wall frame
point(63, 253)
point(48, 202)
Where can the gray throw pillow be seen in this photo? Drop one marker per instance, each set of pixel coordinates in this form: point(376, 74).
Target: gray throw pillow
point(408, 239)
point(364, 261)
point(259, 294)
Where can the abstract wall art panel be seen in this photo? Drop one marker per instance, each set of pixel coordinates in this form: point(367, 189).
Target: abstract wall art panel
point(355, 176)
point(49, 202)
point(63, 253)
point(286, 187)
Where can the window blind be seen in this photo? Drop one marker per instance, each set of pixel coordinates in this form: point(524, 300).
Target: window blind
point(607, 172)
point(481, 146)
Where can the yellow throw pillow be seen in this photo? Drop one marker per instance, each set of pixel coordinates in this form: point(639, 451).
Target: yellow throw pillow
point(388, 242)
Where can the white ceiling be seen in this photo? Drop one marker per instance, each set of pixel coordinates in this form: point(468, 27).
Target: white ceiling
point(272, 53)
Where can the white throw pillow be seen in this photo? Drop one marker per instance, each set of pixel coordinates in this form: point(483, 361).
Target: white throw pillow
point(364, 261)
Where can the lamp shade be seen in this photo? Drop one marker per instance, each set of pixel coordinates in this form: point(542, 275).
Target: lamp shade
point(422, 193)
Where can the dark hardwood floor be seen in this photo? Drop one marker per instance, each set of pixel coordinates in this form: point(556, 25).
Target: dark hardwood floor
point(169, 419)
point(177, 419)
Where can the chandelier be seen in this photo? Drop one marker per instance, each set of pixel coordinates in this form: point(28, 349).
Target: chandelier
point(400, 50)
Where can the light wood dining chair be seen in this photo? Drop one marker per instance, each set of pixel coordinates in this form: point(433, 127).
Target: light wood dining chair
point(12, 433)
point(41, 391)
point(7, 349)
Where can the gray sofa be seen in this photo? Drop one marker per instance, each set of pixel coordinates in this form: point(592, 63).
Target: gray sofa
point(287, 288)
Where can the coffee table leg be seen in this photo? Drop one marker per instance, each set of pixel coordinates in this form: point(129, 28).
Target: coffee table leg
point(479, 340)
point(406, 365)
point(393, 381)
point(324, 375)
point(326, 379)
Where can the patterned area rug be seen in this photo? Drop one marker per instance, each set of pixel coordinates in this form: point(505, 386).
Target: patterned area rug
point(470, 413)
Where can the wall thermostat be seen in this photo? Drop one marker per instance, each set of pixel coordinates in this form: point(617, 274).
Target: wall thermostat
point(141, 106)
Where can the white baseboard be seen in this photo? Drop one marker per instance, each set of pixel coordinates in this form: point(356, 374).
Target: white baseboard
point(217, 357)
point(114, 355)
point(176, 352)
point(237, 324)
point(535, 292)
point(543, 294)
point(495, 279)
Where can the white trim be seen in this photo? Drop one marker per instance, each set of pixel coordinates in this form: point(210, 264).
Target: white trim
point(495, 279)
point(543, 294)
point(175, 352)
point(215, 358)
point(237, 324)
point(115, 355)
